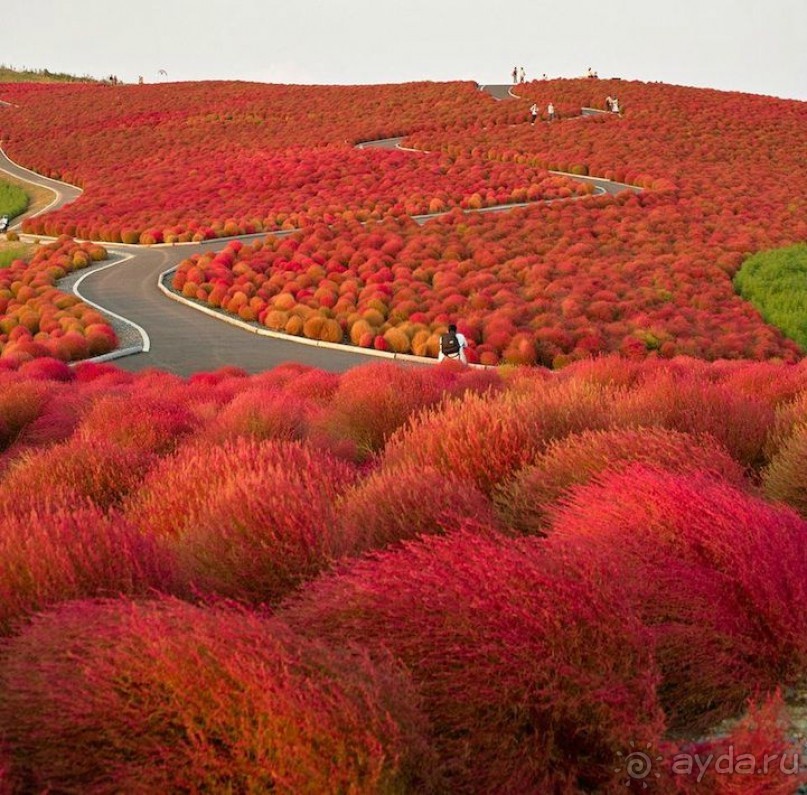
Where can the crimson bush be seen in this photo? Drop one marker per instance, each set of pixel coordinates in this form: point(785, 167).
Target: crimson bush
point(115, 696)
point(532, 679)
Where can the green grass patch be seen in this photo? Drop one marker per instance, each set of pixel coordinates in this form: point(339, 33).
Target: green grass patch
point(775, 282)
point(13, 199)
point(11, 251)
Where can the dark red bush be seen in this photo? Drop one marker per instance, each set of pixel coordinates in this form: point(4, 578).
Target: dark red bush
point(718, 575)
point(532, 679)
point(115, 696)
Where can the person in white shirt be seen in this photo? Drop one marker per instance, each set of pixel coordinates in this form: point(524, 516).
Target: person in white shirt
point(550, 111)
point(453, 345)
point(534, 112)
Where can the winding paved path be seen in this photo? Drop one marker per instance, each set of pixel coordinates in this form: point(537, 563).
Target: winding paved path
point(179, 337)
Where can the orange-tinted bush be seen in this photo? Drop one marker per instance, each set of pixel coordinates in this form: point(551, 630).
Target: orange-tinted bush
point(261, 520)
point(785, 477)
point(522, 502)
point(399, 504)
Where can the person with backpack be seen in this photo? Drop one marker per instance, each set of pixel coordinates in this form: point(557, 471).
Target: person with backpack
point(453, 345)
point(533, 112)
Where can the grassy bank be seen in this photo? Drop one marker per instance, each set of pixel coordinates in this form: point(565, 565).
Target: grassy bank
point(775, 282)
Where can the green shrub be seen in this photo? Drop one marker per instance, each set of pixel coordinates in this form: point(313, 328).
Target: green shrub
point(775, 282)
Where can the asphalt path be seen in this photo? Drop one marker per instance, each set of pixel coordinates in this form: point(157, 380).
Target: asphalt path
point(180, 338)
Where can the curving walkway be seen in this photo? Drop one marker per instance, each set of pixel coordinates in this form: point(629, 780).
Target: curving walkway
point(177, 336)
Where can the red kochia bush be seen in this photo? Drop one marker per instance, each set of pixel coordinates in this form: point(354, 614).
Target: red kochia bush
point(484, 439)
point(687, 401)
point(95, 469)
point(247, 519)
point(759, 756)
point(719, 575)
point(532, 680)
point(522, 502)
point(260, 414)
point(372, 401)
point(137, 421)
point(399, 504)
point(54, 554)
point(115, 696)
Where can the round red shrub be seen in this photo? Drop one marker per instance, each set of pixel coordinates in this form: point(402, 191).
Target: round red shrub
point(371, 402)
point(532, 680)
point(686, 401)
point(719, 576)
point(260, 414)
point(93, 469)
point(522, 501)
point(116, 696)
point(399, 504)
point(53, 554)
point(264, 521)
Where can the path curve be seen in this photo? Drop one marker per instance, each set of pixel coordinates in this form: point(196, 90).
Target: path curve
point(177, 336)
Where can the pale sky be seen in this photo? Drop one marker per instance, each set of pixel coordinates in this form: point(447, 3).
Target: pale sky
point(756, 46)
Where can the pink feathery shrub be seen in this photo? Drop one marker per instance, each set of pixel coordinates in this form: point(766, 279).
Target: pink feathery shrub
point(718, 575)
point(484, 439)
point(247, 520)
point(760, 755)
point(53, 554)
point(690, 403)
point(785, 477)
point(371, 402)
point(522, 502)
point(259, 414)
point(92, 469)
point(136, 421)
point(161, 696)
point(532, 680)
point(399, 504)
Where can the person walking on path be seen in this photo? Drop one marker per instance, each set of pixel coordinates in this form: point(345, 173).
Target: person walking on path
point(515, 75)
point(453, 345)
point(522, 75)
point(533, 112)
point(614, 105)
point(550, 111)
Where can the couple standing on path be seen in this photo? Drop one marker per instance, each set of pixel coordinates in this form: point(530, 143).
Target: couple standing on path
point(550, 112)
point(519, 75)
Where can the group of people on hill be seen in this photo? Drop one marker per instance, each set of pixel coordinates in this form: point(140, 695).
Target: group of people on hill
point(550, 112)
